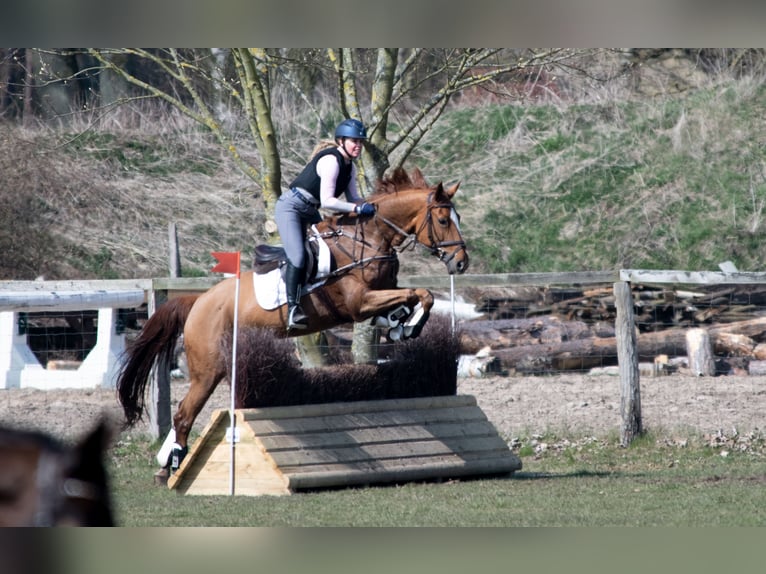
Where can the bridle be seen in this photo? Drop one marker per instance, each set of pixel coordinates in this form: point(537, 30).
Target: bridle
point(436, 248)
point(410, 239)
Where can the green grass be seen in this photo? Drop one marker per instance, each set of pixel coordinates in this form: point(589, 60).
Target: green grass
point(671, 182)
point(576, 482)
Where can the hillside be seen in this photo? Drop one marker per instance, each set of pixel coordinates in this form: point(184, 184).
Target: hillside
point(659, 182)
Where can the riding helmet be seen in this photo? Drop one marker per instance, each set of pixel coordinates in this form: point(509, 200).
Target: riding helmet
point(351, 129)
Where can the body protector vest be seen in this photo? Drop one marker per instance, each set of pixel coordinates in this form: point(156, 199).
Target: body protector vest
point(309, 180)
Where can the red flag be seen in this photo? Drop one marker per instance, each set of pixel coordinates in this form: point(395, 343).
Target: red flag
point(228, 262)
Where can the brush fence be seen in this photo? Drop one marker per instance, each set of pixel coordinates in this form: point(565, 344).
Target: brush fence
point(283, 450)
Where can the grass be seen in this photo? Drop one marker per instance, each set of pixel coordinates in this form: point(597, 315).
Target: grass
point(667, 182)
point(573, 482)
point(664, 183)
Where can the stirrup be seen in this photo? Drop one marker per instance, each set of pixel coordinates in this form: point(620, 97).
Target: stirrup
point(296, 318)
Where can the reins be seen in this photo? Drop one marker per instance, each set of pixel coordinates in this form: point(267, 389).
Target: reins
point(410, 239)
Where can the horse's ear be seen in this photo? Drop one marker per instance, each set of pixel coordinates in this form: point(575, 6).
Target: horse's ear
point(452, 190)
point(93, 447)
point(448, 191)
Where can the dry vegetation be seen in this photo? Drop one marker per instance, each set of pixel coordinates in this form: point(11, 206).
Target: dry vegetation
point(98, 205)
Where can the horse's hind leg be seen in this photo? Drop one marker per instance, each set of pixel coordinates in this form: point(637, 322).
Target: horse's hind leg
point(206, 369)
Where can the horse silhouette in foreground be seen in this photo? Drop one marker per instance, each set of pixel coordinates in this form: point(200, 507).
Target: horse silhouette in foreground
point(44, 482)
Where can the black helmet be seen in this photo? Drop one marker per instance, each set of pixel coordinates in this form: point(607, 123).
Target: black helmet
point(351, 129)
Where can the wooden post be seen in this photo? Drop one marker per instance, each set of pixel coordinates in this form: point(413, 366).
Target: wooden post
point(627, 357)
point(699, 352)
point(364, 347)
point(158, 405)
point(174, 262)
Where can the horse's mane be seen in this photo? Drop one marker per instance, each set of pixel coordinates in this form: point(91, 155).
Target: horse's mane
point(400, 179)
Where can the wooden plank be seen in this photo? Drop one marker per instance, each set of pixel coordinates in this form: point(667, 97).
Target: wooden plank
point(353, 421)
point(690, 277)
point(395, 450)
point(78, 285)
point(205, 441)
point(442, 460)
point(273, 413)
point(427, 470)
point(58, 300)
point(185, 283)
point(376, 435)
point(505, 279)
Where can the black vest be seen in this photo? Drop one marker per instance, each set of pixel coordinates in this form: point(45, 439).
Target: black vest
point(309, 180)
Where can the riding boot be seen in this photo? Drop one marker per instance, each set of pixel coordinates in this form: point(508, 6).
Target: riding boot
point(296, 318)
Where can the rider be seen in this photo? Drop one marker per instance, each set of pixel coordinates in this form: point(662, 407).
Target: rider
point(328, 174)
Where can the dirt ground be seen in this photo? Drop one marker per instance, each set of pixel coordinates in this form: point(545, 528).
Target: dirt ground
point(585, 405)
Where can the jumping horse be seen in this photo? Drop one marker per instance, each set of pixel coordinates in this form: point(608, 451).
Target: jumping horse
point(44, 482)
point(361, 284)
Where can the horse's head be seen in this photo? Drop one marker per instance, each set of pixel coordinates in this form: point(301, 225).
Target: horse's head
point(426, 214)
point(438, 228)
point(46, 483)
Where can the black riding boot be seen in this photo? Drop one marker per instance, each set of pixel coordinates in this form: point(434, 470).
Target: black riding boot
point(296, 318)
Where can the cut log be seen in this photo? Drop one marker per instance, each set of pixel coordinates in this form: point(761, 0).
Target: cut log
point(536, 357)
point(475, 335)
point(699, 351)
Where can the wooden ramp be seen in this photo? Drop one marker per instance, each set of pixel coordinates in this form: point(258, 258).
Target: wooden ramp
point(282, 450)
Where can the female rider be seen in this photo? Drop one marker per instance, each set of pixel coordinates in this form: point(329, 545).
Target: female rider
point(330, 173)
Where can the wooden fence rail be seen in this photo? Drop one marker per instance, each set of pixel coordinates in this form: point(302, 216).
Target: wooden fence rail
point(158, 290)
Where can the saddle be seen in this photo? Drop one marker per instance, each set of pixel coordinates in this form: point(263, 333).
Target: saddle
point(266, 258)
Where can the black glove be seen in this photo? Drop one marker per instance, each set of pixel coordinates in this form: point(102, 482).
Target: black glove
point(365, 209)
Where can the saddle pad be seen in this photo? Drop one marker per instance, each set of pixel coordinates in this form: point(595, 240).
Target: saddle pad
point(269, 289)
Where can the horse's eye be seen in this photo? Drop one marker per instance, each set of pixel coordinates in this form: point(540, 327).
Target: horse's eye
point(444, 221)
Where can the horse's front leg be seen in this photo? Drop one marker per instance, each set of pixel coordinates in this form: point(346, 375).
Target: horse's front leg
point(404, 311)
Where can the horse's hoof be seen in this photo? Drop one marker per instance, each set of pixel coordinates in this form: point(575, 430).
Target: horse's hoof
point(161, 477)
point(396, 333)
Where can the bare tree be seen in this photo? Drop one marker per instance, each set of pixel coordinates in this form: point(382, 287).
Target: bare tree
point(399, 95)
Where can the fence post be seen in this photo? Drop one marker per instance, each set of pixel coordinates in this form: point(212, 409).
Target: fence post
point(627, 357)
point(158, 405)
point(174, 256)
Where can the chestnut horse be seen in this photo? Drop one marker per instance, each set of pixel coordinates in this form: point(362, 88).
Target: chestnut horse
point(360, 286)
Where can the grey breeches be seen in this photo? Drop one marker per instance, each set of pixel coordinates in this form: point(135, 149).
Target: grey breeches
point(292, 217)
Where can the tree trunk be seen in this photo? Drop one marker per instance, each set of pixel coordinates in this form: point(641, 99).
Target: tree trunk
point(312, 350)
point(29, 83)
point(699, 352)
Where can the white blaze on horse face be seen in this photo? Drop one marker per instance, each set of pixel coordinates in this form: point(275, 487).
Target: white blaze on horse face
point(455, 218)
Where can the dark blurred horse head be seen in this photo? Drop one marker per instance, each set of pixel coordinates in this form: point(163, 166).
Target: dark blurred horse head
point(45, 482)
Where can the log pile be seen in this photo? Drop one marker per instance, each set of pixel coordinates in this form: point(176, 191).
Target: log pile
point(533, 330)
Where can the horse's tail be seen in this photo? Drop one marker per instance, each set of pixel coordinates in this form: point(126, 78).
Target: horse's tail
point(156, 340)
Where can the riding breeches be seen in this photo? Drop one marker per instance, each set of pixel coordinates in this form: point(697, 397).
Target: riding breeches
point(292, 215)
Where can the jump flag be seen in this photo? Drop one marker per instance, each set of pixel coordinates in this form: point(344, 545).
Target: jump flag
point(228, 262)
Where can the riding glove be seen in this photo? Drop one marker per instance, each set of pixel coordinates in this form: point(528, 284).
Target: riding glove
point(365, 209)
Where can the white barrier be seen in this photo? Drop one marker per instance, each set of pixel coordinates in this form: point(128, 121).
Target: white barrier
point(19, 368)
